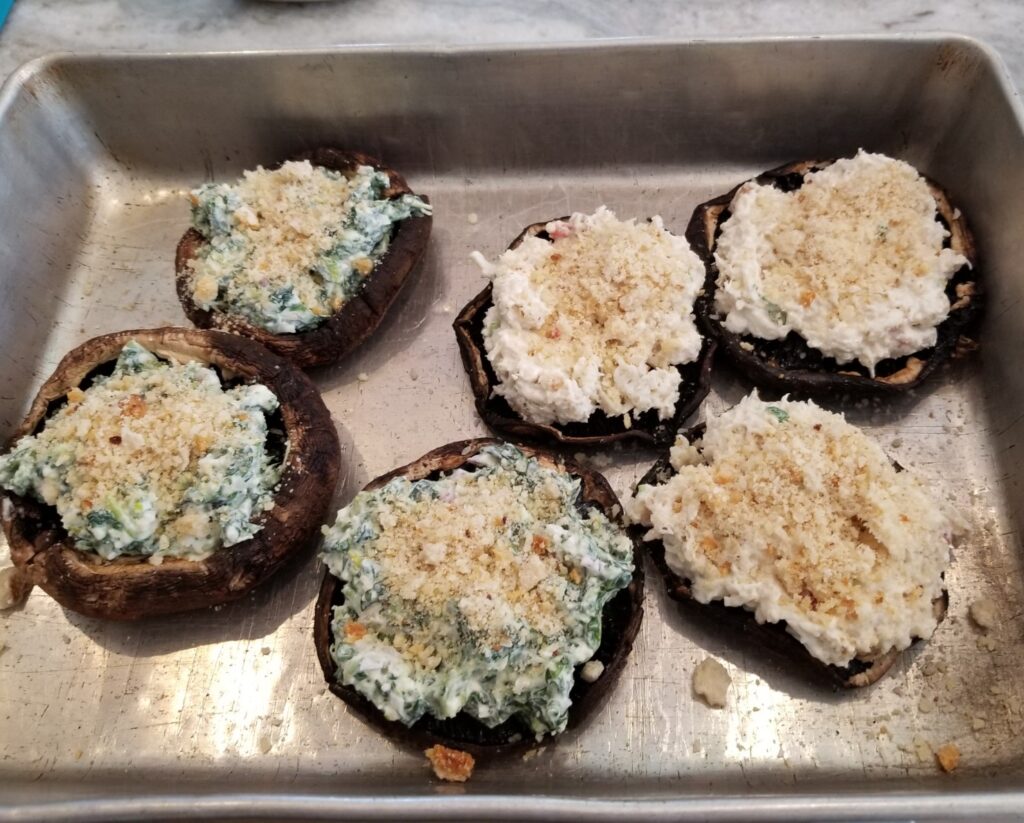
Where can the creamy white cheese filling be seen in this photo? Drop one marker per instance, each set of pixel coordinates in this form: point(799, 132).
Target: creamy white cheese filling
point(791, 512)
point(853, 261)
point(597, 318)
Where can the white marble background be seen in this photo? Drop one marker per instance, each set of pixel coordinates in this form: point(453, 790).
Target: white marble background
point(36, 27)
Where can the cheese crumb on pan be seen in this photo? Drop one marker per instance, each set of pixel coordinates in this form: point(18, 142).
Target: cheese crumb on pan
point(288, 247)
point(450, 764)
point(711, 682)
point(155, 459)
point(983, 612)
point(596, 318)
point(853, 261)
point(591, 671)
point(789, 511)
point(479, 591)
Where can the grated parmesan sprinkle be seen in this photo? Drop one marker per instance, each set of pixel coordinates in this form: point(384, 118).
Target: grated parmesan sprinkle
point(789, 511)
point(598, 318)
point(853, 261)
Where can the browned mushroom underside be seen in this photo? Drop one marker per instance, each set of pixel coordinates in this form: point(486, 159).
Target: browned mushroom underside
point(791, 365)
point(359, 317)
point(131, 587)
point(772, 636)
point(620, 622)
point(600, 429)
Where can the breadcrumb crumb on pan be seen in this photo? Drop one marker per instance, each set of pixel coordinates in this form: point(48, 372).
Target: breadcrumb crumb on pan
point(948, 757)
point(450, 764)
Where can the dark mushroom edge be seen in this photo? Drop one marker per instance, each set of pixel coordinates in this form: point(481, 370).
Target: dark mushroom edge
point(620, 623)
point(739, 621)
point(343, 331)
point(130, 587)
point(790, 365)
point(600, 429)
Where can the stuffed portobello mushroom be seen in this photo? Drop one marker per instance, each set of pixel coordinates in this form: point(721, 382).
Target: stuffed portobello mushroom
point(784, 522)
point(586, 334)
point(162, 470)
point(305, 258)
point(854, 277)
point(482, 597)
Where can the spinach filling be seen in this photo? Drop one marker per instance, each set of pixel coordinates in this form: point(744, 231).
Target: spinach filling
point(480, 591)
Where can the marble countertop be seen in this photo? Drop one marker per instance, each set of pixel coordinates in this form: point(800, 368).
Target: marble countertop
point(36, 27)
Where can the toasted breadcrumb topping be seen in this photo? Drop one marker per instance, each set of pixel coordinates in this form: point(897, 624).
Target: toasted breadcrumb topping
point(461, 552)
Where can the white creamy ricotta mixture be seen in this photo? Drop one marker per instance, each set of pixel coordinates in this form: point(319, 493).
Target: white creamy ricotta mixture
point(791, 512)
point(289, 247)
point(480, 591)
point(597, 318)
point(157, 459)
point(853, 261)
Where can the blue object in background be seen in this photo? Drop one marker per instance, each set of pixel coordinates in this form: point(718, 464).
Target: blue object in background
point(5, 9)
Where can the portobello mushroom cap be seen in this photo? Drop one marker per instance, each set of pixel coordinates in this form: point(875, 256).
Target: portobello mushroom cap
point(599, 429)
point(858, 673)
point(343, 331)
point(620, 622)
point(130, 587)
point(790, 365)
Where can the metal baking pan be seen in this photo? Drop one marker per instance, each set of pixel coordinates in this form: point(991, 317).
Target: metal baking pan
point(224, 713)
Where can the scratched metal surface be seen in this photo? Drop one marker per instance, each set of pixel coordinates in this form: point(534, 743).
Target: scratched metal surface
point(96, 154)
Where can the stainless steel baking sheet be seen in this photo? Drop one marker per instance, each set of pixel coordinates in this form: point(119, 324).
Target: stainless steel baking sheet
point(224, 712)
